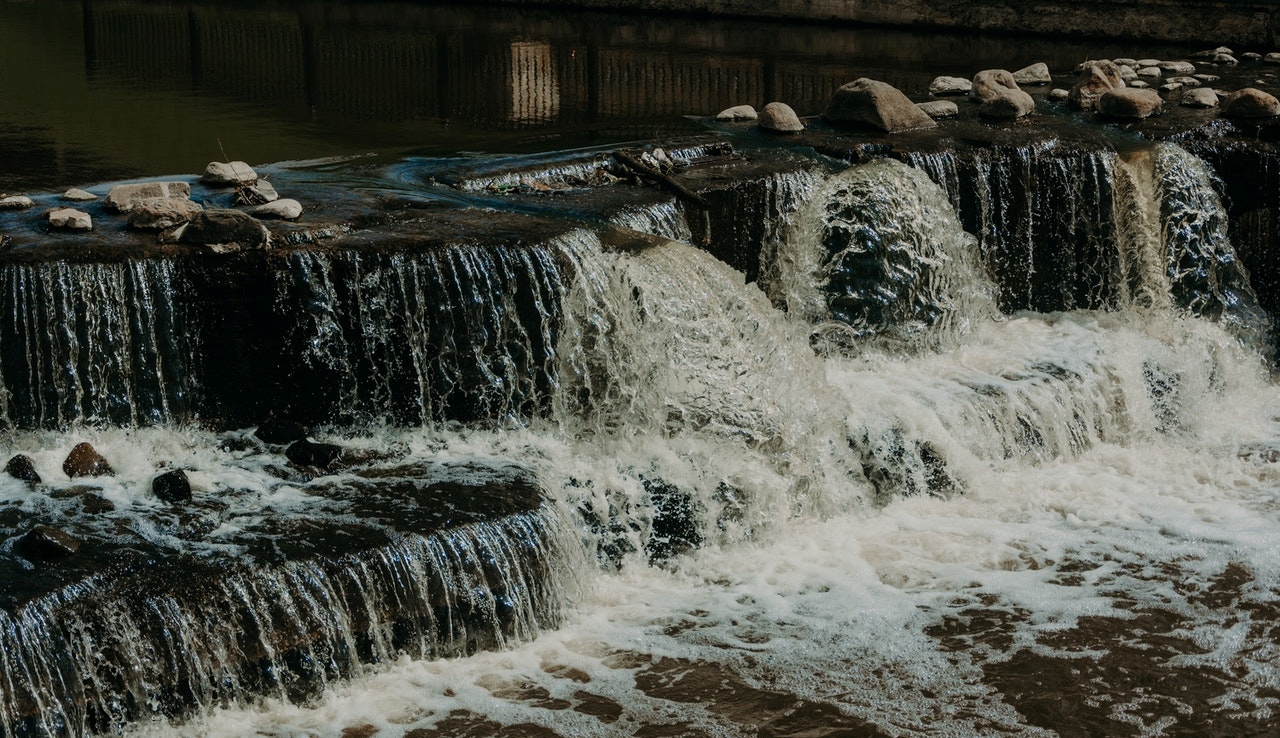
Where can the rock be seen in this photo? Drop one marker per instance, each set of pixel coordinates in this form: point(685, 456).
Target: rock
point(1148, 63)
point(1138, 84)
point(45, 542)
point(1200, 97)
point(1098, 78)
point(85, 461)
point(15, 202)
point(737, 112)
point(1171, 86)
point(1186, 81)
point(122, 198)
point(1211, 53)
point(285, 209)
point(70, 219)
point(95, 504)
point(1251, 56)
point(259, 193)
point(1130, 104)
point(1124, 61)
point(1272, 58)
point(777, 117)
point(1177, 67)
point(1250, 103)
point(1150, 72)
point(172, 486)
point(1059, 95)
point(1036, 74)
point(1000, 96)
point(280, 432)
point(228, 174)
point(1226, 59)
point(76, 194)
point(1207, 79)
point(225, 228)
point(1127, 73)
point(22, 467)
point(939, 109)
point(875, 103)
point(159, 213)
point(310, 453)
point(942, 86)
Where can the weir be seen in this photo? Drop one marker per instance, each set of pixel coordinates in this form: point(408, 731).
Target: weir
point(628, 372)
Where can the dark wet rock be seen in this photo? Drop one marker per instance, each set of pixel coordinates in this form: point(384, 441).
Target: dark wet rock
point(228, 174)
point(310, 453)
point(70, 219)
point(231, 229)
point(875, 103)
point(939, 109)
point(279, 209)
point(280, 432)
point(172, 486)
point(123, 198)
point(159, 213)
point(75, 194)
point(45, 542)
point(738, 112)
point(777, 117)
point(1035, 74)
point(1000, 96)
point(942, 86)
point(22, 467)
point(1250, 103)
point(1200, 97)
point(15, 202)
point(1130, 104)
point(95, 504)
point(85, 461)
point(1097, 78)
point(74, 491)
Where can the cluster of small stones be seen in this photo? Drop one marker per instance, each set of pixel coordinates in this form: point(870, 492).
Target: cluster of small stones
point(1121, 89)
point(170, 485)
point(167, 209)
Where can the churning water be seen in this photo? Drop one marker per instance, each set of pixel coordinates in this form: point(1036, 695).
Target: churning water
point(864, 504)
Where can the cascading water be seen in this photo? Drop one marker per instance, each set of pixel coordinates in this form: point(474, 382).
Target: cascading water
point(910, 531)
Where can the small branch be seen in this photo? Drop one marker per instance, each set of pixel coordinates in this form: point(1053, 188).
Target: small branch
point(636, 165)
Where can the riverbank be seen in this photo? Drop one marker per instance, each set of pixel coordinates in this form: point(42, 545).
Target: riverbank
point(1177, 21)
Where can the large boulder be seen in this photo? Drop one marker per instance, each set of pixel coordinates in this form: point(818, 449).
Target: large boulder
point(1130, 104)
point(1000, 96)
point(160, 213)
point(778, 117)
point(1097, 78)
point(875, 103)
point(85, 461)
point(1250, 102)
point(22, 467)
point(225, 230)
point(122, 198)
point(44, 542)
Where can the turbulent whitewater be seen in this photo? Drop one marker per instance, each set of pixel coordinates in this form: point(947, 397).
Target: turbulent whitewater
point(866, 502)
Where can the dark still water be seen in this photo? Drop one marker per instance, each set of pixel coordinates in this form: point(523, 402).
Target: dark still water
point(106, 89)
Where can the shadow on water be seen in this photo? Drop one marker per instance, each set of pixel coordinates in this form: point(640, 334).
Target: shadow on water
point(112, 88)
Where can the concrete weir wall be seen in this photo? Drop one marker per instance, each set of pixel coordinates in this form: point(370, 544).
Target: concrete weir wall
point(1254, 23)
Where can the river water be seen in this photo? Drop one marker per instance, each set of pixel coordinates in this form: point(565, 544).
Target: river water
point(899, 511)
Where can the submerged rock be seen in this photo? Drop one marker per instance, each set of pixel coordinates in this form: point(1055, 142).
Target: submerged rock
point(123, 198)
point(738, 112)
point(45, 542)
point(70, 219)
point(228, 174)
point(1000, 96)
point(85, 461)
point(95, 504)
point(22, 467)
point(950, 86)
point(875, 103)
point(229, 230)
point(778, 117)
point(310, 453)
point(172, 486)
point(1130, 104)
point(1250, 103)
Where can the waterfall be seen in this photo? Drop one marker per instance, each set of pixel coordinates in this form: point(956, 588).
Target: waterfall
point(96, 343)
